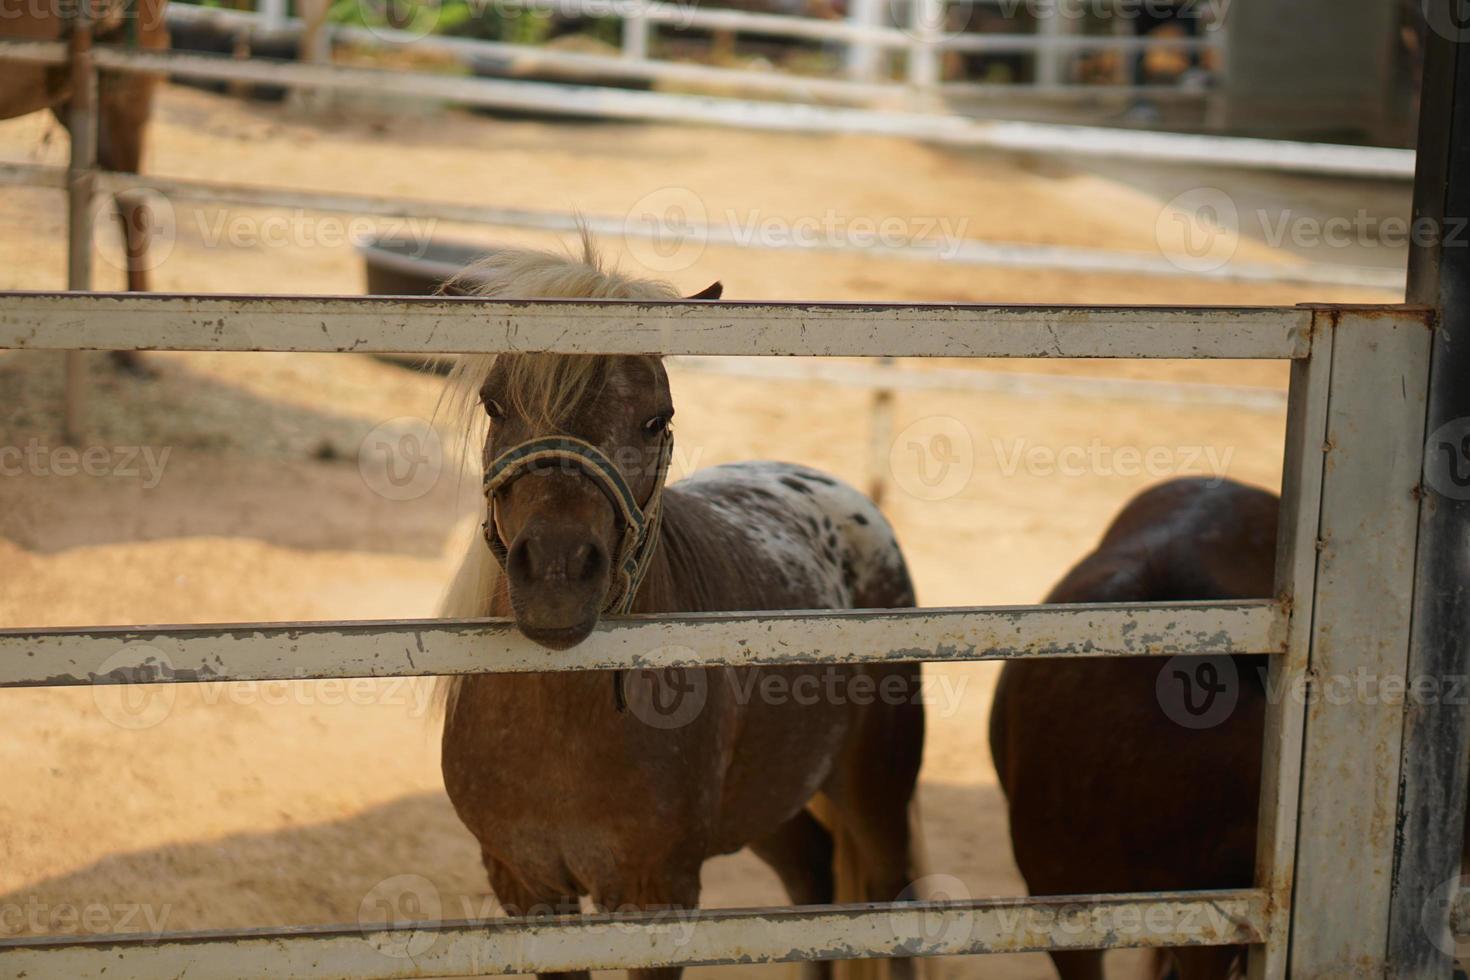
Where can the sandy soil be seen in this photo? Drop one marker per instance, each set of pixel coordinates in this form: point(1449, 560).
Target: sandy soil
point(229, 489)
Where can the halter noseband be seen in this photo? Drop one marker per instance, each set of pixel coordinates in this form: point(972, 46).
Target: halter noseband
point(640, 523)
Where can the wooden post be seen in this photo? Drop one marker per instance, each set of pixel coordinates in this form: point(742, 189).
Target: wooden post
point(81, 185)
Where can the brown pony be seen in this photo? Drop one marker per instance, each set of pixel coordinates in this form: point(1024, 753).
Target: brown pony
point(1143, 774)
point(124, 101)
point(619, 785)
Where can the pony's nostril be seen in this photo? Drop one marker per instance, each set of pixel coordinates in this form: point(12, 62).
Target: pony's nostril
point(589, 561)
point(518, 561)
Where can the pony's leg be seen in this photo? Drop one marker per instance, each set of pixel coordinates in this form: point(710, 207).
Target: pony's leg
point(519, 900)
point(124, 104)
point(872, 789)
point(667, 891)
point(800, 852)
point(1207, 962)
point(1078, 964)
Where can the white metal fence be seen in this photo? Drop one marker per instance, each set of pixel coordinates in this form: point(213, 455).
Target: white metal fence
point(919, 32)
point(1357, 401)
point(1333, 886)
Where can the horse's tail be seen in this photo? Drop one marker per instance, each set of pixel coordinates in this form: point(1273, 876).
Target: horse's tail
point(852, 879)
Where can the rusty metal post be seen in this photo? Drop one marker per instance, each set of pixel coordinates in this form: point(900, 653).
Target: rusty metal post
point(1436, 737)
point(81, 186)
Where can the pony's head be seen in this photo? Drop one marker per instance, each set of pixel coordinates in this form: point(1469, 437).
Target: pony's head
point(575, 452)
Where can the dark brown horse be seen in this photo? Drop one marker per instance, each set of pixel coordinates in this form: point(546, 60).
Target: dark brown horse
point(620, 785)
point(1143, 774)
point(124, 100)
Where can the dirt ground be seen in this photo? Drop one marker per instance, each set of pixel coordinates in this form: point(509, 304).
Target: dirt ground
point(228, 488)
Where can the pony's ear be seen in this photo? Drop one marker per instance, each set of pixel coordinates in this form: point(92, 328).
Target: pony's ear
point(713, 291)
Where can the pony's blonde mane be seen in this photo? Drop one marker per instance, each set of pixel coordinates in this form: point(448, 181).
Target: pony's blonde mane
point(543, 388)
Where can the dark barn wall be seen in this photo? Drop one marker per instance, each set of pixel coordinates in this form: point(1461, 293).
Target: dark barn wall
point(1317, 69)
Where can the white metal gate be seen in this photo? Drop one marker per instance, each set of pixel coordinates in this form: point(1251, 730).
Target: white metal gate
point(1362, 798)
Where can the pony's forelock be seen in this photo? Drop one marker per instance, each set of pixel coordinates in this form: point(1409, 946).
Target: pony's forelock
point(543, 388)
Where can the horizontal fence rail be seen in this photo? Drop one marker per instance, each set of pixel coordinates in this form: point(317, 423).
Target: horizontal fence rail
point(517, 59)
point(1369, 161)
point(395, 648)
point(675, 938)
point(958, 251)
point(437, 325)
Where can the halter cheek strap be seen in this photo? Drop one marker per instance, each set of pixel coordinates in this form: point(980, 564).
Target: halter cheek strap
point(640, 523)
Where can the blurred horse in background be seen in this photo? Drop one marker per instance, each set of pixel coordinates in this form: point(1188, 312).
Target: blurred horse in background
point(124, 101)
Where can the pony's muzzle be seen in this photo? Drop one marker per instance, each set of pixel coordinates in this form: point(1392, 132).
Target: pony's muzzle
point(559, 576)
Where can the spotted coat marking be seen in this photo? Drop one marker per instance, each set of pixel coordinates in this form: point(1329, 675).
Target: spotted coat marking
point(825, 536)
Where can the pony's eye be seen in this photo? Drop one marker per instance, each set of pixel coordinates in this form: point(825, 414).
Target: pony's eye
point(492, 407)
point(656, 425)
